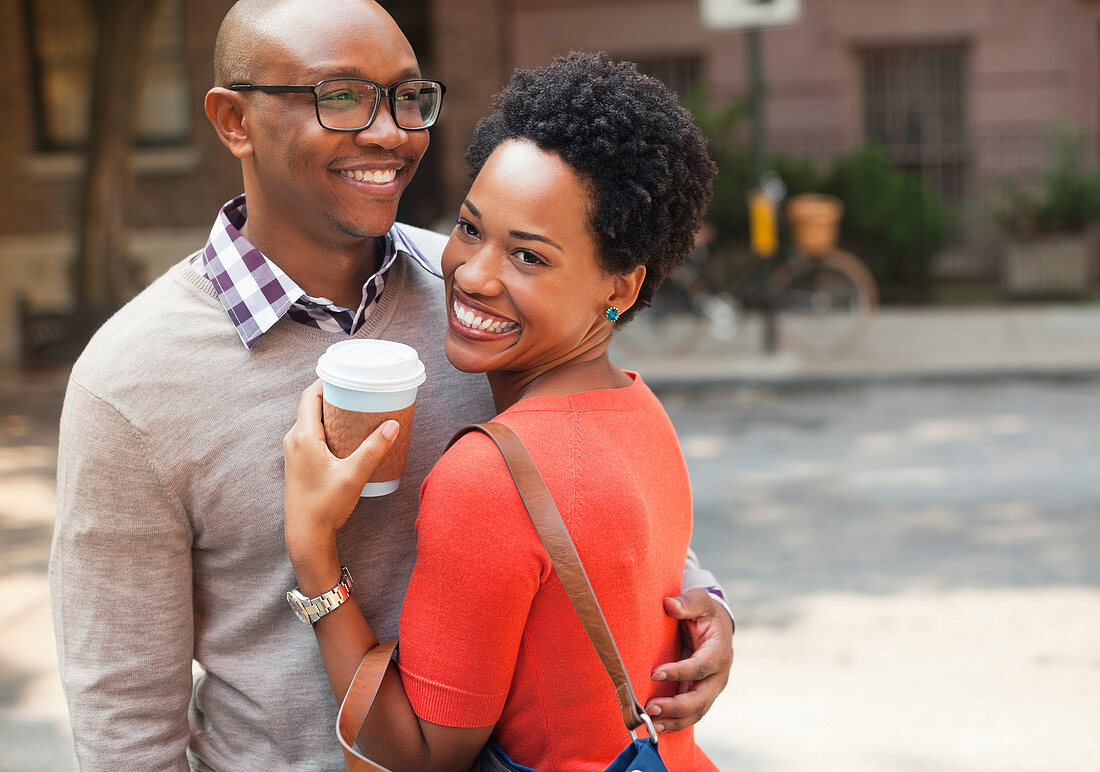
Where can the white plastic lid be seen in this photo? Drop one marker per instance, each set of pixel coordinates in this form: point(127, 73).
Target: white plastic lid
point(371, 365)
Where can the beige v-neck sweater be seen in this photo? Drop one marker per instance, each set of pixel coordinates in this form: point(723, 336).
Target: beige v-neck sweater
point(169, 540)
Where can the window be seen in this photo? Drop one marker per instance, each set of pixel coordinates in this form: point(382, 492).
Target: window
point(62, 49)
point(681, 74)
point(915, 108)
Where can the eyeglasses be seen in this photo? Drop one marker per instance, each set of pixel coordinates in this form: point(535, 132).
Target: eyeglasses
point(350, 104)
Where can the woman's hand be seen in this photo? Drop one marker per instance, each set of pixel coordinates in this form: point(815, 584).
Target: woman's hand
point(322, 490)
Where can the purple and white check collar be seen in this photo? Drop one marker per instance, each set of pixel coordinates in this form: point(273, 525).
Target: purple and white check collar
point(256, 293)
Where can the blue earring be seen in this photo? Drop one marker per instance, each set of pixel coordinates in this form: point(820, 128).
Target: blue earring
point(612, 314)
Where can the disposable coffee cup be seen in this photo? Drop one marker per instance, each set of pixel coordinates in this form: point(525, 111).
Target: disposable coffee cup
point(365, 383)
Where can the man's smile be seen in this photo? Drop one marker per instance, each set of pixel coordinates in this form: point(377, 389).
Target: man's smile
point(377, 176)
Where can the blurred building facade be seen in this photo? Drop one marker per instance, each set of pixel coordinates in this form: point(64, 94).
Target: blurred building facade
point(961, 92)
point(966, 94)
point(180, 169)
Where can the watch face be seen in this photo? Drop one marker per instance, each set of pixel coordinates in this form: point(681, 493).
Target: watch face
point(299, 609)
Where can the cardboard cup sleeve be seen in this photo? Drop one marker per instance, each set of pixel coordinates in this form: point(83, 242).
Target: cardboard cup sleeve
point(345, 431)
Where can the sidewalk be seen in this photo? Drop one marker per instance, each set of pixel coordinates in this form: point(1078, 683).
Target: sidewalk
point(34, 733)
point(914, 344)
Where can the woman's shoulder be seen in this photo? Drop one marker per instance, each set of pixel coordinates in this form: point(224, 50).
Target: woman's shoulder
point(473, 471)
point(473, 450)
point(469, 503)
point(470, 475)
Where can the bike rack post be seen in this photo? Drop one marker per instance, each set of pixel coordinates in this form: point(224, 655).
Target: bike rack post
point(764, 241)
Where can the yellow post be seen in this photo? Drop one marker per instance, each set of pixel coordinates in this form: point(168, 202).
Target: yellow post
point(763, 231)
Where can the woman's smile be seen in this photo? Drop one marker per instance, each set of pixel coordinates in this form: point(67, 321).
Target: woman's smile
point(473, 320)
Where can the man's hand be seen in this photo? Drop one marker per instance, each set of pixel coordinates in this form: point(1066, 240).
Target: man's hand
point(708, 647)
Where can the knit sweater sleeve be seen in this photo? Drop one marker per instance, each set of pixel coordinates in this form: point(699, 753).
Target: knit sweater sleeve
point(120, 585)
point(479, 564)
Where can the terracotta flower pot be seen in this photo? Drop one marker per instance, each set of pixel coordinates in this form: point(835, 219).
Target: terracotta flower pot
point(815, 222)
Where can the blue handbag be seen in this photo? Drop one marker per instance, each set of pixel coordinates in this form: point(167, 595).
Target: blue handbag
point(641, 754)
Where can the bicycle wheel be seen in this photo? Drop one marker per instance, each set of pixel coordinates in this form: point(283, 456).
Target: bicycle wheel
point(824, 304)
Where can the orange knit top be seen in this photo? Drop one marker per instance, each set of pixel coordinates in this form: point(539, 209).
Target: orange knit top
point(487, 631)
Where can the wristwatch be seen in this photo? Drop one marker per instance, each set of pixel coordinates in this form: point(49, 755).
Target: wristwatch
point(309, 610)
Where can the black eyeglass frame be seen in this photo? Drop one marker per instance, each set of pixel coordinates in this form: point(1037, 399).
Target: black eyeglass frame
point(387, 94)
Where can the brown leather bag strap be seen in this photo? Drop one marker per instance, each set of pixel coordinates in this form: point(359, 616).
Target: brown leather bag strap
point(357, 702)
point(567, 563)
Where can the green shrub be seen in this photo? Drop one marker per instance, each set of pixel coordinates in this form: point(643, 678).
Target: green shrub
point(893, 220)
point(1067, 201)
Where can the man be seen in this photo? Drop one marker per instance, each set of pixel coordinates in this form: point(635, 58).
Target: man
point(169, 543)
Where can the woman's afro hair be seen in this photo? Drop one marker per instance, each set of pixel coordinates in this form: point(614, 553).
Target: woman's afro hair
point(625, 134)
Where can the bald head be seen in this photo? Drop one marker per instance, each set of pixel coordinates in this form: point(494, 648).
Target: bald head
point(253, 29)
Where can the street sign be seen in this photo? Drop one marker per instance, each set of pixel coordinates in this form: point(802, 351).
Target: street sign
point(740, 14)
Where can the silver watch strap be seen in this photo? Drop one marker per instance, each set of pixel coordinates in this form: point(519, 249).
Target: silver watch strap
point(315, 608)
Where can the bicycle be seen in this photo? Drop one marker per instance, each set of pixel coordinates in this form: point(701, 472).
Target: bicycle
point(817, 299)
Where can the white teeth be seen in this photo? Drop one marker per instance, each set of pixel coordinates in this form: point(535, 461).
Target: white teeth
point(379, 176)
point(469, 319)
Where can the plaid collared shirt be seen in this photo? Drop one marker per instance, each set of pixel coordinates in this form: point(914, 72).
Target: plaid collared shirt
point(256, 293)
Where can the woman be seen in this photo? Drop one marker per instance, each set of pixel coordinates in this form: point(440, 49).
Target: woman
point(590, 183)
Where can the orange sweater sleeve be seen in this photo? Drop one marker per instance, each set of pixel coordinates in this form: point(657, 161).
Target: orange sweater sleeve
point(479, 564)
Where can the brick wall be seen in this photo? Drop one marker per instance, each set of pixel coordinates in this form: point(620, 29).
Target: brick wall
point(470, 41)
point(176, 190)
point(39, 191)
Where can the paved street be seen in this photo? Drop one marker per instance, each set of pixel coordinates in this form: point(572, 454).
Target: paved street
point(916, 570)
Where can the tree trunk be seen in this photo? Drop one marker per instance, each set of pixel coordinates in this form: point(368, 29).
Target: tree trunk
point(101, 275)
